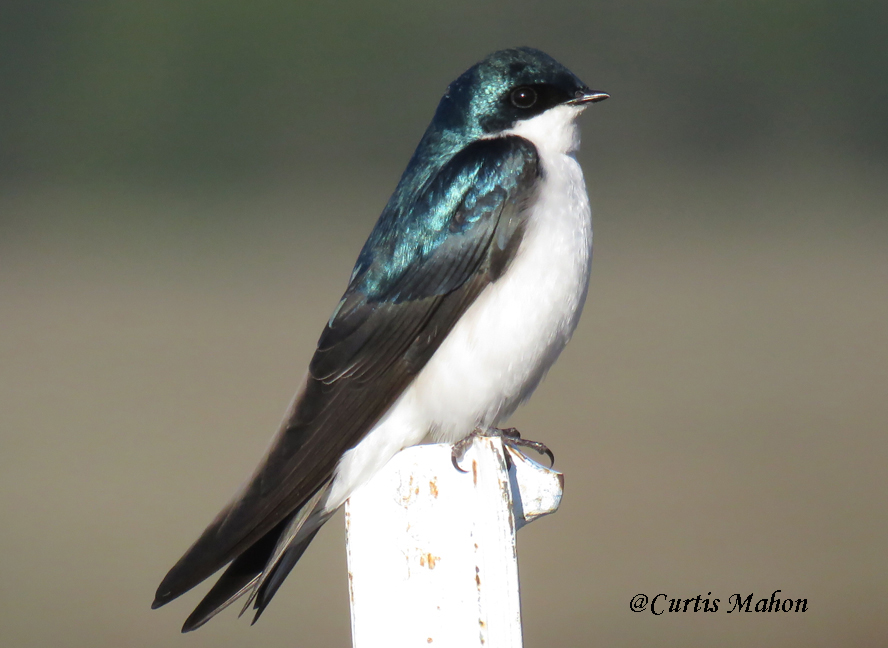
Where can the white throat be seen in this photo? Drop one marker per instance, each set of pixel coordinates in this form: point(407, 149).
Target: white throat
point(553, 132)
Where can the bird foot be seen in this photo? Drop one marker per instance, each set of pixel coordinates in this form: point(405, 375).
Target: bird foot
point(510, 437)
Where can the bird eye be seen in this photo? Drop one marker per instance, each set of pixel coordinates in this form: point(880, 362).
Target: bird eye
point(523, 97)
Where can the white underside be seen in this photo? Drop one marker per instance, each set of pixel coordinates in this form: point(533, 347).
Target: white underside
point(507, 340)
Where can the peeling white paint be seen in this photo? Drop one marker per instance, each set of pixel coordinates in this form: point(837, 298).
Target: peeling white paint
point(431, 551)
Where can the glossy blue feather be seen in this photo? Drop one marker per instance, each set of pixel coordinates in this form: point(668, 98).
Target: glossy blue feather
point(443, 176)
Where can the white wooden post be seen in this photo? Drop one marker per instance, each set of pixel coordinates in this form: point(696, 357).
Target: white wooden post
point(432, 558)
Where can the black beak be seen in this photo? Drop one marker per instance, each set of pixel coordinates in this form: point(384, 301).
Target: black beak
point(589, 96)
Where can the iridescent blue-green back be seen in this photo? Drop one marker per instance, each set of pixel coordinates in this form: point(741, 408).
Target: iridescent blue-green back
point(415, 220)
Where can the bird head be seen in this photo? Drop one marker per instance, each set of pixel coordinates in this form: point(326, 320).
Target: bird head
point(508, 87)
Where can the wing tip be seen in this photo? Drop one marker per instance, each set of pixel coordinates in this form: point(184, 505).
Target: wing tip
point(171, 587)
point(162, 596)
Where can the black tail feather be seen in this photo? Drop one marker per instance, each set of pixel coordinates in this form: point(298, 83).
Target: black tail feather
point(236, 580)
point(279, 572)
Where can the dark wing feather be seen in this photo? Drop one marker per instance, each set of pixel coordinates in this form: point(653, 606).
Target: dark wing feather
point(430, 255)
point(236, 580)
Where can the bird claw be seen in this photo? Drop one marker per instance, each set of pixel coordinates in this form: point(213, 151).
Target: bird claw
point(512, 437)
point(509, 436)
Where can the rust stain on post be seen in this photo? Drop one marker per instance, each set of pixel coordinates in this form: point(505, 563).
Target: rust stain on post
point(428, 560)
point(351, 587)
point(407, 495)
point(475, 471)
point(433, 488)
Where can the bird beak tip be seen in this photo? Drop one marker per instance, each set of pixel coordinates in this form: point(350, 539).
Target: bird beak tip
point(591, 96)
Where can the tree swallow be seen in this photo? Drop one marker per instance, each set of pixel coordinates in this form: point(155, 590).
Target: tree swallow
point(468, 288)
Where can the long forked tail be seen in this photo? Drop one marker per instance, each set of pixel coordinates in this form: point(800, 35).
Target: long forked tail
point(260, 570)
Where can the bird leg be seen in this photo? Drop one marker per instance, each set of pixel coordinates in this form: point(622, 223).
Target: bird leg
point(509, 436)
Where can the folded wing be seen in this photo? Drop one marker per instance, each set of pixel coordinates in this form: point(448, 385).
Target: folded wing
point(434, 249)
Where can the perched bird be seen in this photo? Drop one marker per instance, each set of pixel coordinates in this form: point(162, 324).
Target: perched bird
point(468, 288)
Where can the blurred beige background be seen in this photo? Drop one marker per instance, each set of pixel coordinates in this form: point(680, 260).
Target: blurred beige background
point(184, 187)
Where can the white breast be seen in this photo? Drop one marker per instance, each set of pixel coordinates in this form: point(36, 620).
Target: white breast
point(507, 340)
